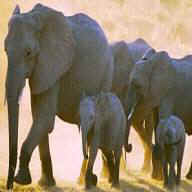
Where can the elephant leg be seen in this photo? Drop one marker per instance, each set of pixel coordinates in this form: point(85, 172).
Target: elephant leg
point(123, 164)
point(189, 174)
point(44, 107)
point(117, 157)
point(90, 178)
point(178, 178)
point(148, 144)
point(81, 178)
point(34, 138)
point(47, 178)
point(172, 176)
point(146, 141)
point(165, 173)
point(105, 173)
point(157, 170)
point(110, 163)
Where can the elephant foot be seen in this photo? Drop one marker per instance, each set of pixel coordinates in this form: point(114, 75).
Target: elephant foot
point(157, 172)
point(81, 180)
point(189, 175)
point(110, 180)
point(23, 177)
point(105, 173)
point(178, 180)
point(115, 185)
point(128, 148)
point(146, 169)
point(91, 181)
point(170, 187)
point(157, 176)
point(165, 184)
point(46, 181)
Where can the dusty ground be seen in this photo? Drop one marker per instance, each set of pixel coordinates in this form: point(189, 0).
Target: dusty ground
point(65, 142)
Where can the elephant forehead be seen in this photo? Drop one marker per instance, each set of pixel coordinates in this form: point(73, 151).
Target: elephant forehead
point(18, 30)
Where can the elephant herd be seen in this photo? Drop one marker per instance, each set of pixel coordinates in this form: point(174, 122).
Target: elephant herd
point(68, 57)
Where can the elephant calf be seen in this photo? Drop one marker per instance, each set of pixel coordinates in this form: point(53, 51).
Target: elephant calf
point(169, 148)
point(103, 125)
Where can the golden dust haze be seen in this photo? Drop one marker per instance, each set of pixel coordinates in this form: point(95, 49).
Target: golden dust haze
point(165, 24)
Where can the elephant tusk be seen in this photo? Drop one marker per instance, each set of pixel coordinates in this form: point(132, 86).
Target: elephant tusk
point(132, 111)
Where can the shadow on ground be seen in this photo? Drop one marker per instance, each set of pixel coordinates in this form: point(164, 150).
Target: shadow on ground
point(131, 182)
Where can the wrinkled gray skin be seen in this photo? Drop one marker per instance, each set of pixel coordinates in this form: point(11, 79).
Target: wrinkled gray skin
point(125, 56)
point(103, 125)
point(61, 56)
point(170, 144)
point(162, 84)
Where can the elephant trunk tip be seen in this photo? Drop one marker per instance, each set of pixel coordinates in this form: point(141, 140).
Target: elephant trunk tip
point(128, 148)
point(86, 157)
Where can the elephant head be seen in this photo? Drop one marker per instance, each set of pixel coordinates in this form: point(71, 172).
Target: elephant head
point(40, 47)
point(87, 120)
point(150, 80)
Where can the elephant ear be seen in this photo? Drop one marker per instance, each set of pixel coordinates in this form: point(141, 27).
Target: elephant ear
point(16, 11)
point(123, 64)
point(56, 48)
point(162, 76)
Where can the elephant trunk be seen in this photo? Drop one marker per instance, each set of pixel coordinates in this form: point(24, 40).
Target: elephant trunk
point(13, 113)
point(84, 133)
point(131, 105)
point(14, 84)
point(127, 146)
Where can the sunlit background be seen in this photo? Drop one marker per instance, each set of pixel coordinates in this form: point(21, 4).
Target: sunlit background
point(165, 24)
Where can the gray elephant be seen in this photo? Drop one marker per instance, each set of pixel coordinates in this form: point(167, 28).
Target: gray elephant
point(61, 56)
point(103, 125)
point(162, 84)
point(125, 56)
point(169, 149)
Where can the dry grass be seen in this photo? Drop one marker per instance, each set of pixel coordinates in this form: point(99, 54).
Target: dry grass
point(128, 183)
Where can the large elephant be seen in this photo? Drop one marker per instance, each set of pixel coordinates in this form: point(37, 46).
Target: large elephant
point(61, 56)
point(162, 84)
point(125, 56)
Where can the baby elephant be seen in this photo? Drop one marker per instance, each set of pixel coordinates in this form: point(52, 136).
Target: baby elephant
point(169, 148)
point(103, 125)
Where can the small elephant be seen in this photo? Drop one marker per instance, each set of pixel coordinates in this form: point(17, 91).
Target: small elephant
point(169, 148)
point(103, 125)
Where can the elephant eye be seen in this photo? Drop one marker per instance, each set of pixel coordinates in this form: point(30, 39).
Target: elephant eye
point(28, 52)
point(144, 58)
point(91, 116)
point(136, 85)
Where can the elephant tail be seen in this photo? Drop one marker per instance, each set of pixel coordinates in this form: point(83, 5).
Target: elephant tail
point(84, 134)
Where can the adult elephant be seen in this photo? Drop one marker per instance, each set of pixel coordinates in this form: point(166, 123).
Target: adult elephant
point(162, 84)
point(125, 56)
point(62, 57)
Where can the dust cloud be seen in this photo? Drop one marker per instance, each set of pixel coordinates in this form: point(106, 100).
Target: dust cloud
point(165, 24)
